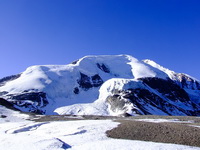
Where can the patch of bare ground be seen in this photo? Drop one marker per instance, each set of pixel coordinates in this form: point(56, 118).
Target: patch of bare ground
point(165, 132)
point(182, 131)
point(43, 118)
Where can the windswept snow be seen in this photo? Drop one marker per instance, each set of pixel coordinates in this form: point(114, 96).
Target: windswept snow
point(157, 66)
point(8, 115)
point(171, 74)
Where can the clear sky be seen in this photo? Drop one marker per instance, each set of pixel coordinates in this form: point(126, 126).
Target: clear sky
point(40, 32)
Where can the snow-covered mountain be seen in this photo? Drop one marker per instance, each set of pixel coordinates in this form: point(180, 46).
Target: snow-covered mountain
point(103, 85)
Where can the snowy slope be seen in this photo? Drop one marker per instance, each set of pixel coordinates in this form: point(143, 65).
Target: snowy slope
point(184, 80)
point(90, 84)
point(18, 133)
point(190, 84)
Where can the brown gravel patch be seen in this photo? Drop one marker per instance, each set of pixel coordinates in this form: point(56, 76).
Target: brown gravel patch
point(131, 128)
point(164, 132)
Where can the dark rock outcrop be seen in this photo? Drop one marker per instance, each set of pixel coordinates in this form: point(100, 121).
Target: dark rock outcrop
point(8, 78)
point(103, 68)
point(75, 62)
point(31, 100)
point(76, 90)
point(85, 82)
point(167, 88)
point(156, 96)
point(7, 104)
point(187, 82)
point(96, 80)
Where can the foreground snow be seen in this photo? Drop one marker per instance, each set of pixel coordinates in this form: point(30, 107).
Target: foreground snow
point(20, 134)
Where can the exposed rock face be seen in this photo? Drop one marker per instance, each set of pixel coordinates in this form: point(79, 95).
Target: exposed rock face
point(31, 100)
point(188, 82)
point(150, 97)
point(167, 88)
point(119, 102)
point(76, 90)
point(7, 104)
point(96, 80)
point(103, 68)
point(85, 82)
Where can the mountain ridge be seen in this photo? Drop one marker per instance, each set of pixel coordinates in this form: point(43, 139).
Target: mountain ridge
point(103, 85)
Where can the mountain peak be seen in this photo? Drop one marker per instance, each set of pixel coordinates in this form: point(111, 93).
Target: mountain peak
point(103, 85)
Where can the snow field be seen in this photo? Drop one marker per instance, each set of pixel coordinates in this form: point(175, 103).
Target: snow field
point(18, 133)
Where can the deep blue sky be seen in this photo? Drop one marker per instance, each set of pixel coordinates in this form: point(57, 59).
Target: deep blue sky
point(39, 32)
